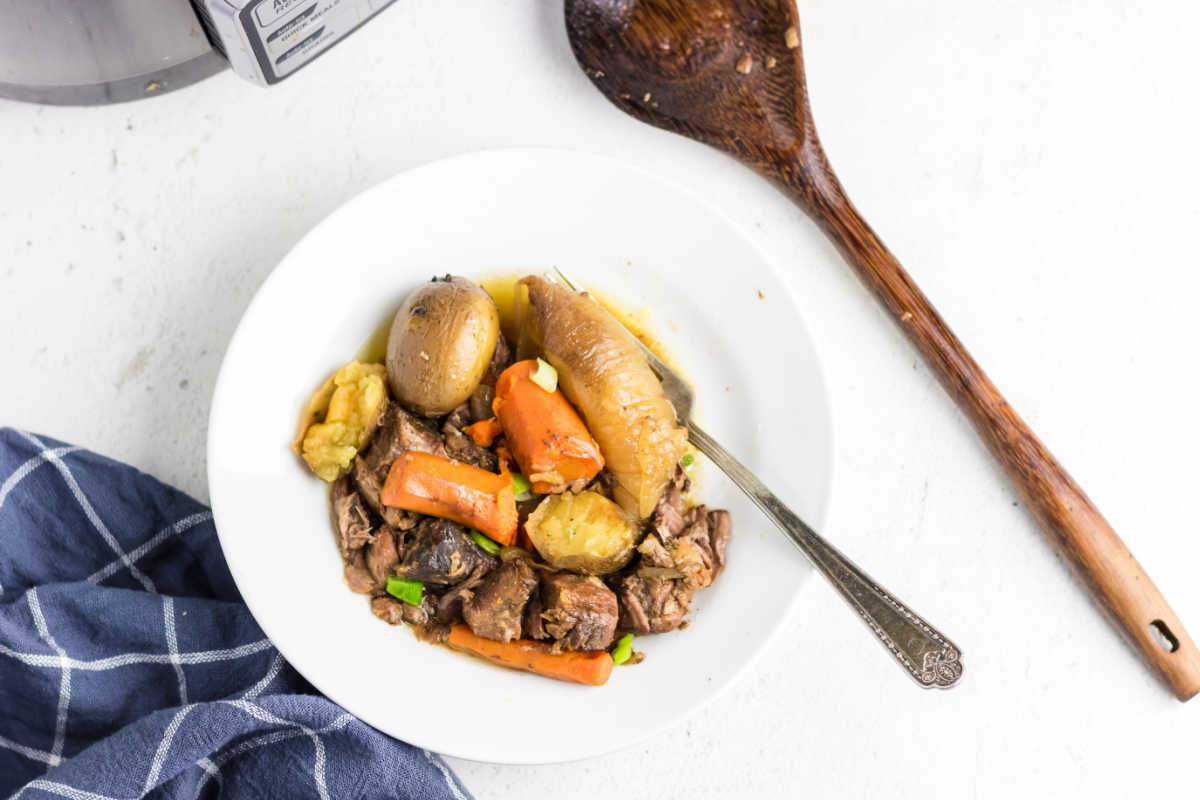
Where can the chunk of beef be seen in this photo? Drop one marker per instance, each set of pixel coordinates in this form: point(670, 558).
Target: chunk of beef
point(441, 552)
point(653, 553)
point(480, 403)
point(459, 417)
point(533, 626)
point(699, 551)
point(432, 633)
point(422, 614)
point(502, 358)
point(450, 605)
point(353, 521)
point(388, 609)
point(383, 555)
point(394, 611)
point(461, 447)
point(667, 519)
point(496, 609)
point(579, 611)
point(399, 431)
point(693, 558)
point(658, 603)
point(692, 551)
point(652, 605)
point(370, 486)
point(356, 574)
point(720, 525)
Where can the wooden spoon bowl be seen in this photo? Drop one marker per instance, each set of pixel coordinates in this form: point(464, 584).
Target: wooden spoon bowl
point(730, 73)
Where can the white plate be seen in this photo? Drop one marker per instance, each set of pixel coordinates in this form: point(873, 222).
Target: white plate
point(760, 390)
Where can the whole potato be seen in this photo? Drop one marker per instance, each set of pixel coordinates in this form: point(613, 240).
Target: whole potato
point(440, 344)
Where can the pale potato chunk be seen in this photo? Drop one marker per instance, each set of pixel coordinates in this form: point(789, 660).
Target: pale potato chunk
point(583, 532)
point(341, 417)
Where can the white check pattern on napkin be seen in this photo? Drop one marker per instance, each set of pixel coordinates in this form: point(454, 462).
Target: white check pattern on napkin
point(130, 668)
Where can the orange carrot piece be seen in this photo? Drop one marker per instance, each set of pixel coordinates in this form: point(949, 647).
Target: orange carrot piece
point(547, 437)
point(484, 432)
point(591, 666)
point(507, 463)
point(474, 497)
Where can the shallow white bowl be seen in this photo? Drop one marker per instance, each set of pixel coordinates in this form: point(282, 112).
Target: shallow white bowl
point(721, 311)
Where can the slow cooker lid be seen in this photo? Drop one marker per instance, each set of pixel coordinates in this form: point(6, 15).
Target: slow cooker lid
point(81, 51)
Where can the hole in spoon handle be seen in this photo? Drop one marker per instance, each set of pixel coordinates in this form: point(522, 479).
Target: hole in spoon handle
point(1162, 634)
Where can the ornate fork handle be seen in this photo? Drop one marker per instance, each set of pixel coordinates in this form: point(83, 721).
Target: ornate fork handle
point(929, 657)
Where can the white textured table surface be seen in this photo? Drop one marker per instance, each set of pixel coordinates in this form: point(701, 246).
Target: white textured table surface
point(1033, 164)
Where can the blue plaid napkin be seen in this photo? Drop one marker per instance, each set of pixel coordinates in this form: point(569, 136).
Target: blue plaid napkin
point(129, 666)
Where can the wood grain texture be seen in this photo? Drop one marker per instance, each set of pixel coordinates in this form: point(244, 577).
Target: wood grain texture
point(730, 73)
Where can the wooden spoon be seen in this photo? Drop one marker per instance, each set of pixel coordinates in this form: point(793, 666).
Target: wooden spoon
point(729, 73)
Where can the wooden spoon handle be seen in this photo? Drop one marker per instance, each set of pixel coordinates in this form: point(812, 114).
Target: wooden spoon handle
point(1115, 578)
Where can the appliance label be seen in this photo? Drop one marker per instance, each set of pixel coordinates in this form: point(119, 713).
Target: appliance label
point(287, 34)
point(270, 10)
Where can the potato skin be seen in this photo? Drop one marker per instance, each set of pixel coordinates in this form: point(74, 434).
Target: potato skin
point(604, 374)
point(583, 532)
point(440, 343)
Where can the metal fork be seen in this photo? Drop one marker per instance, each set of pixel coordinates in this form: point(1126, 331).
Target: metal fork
point(929, 657)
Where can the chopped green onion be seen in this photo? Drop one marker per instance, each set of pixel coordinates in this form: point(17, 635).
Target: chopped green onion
point(624, 649)
point(687, 460)
point(408, 591)
point(522, 488)
point(545, 376)
point(485, 544)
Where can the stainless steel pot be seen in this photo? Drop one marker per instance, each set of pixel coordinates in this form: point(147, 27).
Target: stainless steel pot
point(79, 52)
